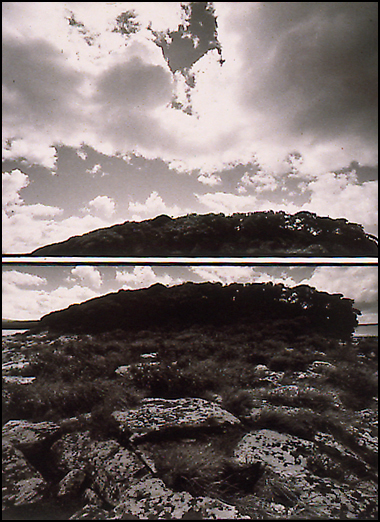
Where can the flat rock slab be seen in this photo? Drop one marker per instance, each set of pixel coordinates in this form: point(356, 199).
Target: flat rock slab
point(291, 475)
point(284, 453)
point(26, 435)
point(160, 415)
point(152, 499)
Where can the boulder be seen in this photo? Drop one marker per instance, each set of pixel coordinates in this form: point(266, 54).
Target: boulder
point(27, 435)
point(152, 499)
point(284, 453)
point(92, 498)
point(127, 371)
point(90, 512)
point(72, 483)
point(304, 479)
point(17, 379)
point(265, 375)
point(111, 467)
point(22, 484)
point(156, 416)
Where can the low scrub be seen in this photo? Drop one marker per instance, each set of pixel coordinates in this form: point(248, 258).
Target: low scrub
point(76, 374)
point(204, 469)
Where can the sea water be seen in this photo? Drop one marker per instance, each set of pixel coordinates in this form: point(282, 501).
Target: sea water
point(6, 333)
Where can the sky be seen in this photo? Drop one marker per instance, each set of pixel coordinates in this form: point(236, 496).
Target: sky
point(116, 111)
point(29, 292)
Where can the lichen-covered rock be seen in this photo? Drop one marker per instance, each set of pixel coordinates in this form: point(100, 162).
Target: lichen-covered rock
point(70, 451)
point(297, 395)
point(17, 379)
point(301, 477)
point(320, 366)
point(26, 435)
point(107, 487)
point(266, 376)
point(90, 512)
point(284, 453)
point(22, 484)
point(152, 499)
point(156, 415)
point(71, 483)
point(127, 371)
point(328, 444)
point(110, 466)
point(92, 498)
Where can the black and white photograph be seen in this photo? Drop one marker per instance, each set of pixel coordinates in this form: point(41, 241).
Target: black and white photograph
point(117, 113)
point(190, 392)
point(190, 261)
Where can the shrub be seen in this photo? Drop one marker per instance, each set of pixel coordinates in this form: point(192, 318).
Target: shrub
point(56, 400)
point(238, 402)
point(359, 385)
point(191, 468)
point(300, 423)
point(202, 469)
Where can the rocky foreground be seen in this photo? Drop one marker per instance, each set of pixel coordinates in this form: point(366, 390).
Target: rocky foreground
point(123, 426)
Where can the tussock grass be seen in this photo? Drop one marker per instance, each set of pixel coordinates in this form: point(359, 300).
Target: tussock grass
point(76, 374)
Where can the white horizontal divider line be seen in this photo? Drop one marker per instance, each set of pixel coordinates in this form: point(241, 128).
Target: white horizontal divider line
point(215, 261)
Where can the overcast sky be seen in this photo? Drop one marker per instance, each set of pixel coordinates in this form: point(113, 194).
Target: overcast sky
point(116, 111)
point(31, 292)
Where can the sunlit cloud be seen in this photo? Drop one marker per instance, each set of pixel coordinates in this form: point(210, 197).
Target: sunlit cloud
point(143, 276)
point(153, 206)
point(102, 206)
point(87, 275)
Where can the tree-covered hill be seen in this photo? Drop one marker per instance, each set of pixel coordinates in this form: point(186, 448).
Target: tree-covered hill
point(241, 234)
point(301, 309)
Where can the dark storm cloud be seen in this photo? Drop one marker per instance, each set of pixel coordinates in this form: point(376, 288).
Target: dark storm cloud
point(125, 95)
point(38, 82)
point(134, 83)
point(316, 64)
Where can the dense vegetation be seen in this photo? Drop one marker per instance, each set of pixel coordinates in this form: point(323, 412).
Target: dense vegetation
point(241, 234)
point(76, 374)
point(301, 309)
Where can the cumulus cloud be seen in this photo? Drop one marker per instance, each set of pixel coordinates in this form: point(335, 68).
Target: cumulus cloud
point(45, 105)
point(357, 283)
point(36, 303)
point(210, 179)
point(14, 277)
point(153, 206)
point(311, 78)
point(329, 194)
point(95, 169)
point(228, 203)
point(23, 297)
point(260, 181)
point(143, 276)
point(102, 206)
point(306, 76)
point(29, 226)
point(339, 196)
point(12, 183)
point(228, 275)
point(87, 275)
